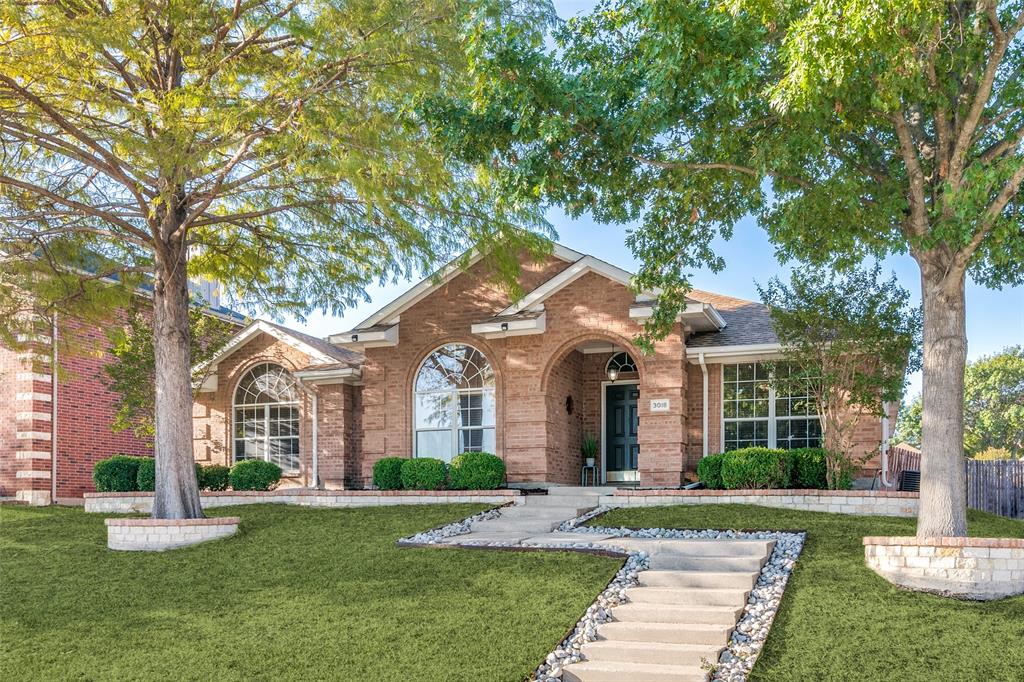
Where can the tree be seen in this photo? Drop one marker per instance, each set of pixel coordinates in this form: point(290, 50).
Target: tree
point(993, 405)
point(271, 145)
point(848, 341)
point(132, 375)
point(848, 129)
point(908, 426)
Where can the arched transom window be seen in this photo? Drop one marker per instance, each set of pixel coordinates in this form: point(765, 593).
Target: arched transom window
point(622, 363)
point(267, 417)
point(454, 403)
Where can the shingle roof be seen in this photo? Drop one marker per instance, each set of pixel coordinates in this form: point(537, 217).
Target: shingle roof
point(344, 356)
point(747, 322)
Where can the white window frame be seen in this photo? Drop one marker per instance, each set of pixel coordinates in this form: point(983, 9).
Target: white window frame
point(457, 393)
point(772, 418)
point(236, 407)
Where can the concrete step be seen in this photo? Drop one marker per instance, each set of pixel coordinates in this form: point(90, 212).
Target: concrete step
point(604, 671)
point(542, 501)
point(688, 596)
point(713, 634)
point(561, 513)
point(737, 579)
point(564, 538)
point(645, 612)
point(651, 652)
point(709, 564)
point(701, 548)
point(527, 527)
point(594, 491)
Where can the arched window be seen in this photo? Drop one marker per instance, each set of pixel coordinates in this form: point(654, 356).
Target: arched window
point(454, 403)
point(267, 417)
point(621, 363)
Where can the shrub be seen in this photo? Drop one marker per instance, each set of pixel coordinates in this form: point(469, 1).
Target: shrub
point(989, 454)
point(387, 473)
point(476, 471)
point(118, 474)
point(756, 468)
point(255, 474)
point(213, 477)
point(709, 471)
point(809, 468)
point(423, 473)
point(145, 477)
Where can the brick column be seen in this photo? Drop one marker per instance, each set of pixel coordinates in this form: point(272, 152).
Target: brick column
point(663, 434)
point(33, 423)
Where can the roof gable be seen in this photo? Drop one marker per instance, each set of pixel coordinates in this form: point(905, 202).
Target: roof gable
point(319, 351)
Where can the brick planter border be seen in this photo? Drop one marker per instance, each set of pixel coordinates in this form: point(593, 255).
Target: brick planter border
point(157, 535)
point(143, 502)
point(862, 502)
point(966, 568)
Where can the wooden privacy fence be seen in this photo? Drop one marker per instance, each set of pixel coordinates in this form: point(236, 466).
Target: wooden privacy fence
point(995, 486)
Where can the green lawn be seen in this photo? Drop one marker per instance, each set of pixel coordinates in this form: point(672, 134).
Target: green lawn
point(840, 621)
point(297, 594)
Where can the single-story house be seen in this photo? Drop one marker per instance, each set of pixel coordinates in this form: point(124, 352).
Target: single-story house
point(455, 364)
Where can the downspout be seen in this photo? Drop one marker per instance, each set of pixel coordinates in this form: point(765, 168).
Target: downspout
point(885, 446)
point(53, 410)
point(704, 433)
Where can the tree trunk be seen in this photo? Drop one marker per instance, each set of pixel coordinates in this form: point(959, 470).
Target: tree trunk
point(943, 506)
point(177, 491)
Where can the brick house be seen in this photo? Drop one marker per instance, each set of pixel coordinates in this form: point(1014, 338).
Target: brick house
point(455, 365)
point(54, 426)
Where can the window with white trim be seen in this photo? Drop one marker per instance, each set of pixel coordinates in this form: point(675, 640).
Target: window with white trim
point(266, 417)
point(753, 414)
point(453, 401)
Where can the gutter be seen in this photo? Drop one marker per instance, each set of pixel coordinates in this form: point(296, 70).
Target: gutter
point(704, 433)
point(53, 410)
point(885, 446)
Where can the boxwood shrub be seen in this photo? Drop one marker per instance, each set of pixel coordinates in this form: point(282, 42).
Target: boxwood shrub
point(145, 477)
point(476, 471)
point(423, 473)
point(213, 477)
point(387, 473)
point(118, 474)
point(255, 474)
point(809, 470)
point(756, 468)
point(709, 471)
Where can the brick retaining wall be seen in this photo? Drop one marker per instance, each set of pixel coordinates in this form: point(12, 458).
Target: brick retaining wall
point(863, 502)
point(968, 568)
point(143, 502)
point(157, 535)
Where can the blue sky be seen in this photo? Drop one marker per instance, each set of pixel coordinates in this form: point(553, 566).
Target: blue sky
point(995, 319)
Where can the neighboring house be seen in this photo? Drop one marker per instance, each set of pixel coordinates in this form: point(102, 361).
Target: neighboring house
point(55, 426)
point(454, 364)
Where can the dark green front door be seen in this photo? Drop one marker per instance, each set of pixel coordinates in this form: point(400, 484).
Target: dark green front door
point(622, 447)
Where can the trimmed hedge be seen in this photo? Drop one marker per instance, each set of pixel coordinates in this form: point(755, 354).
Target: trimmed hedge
point(145, 479)
point(213, 477)
point(709, 471)
point(476, 471)
point(756, 468)
point(387, 473)
point(118, 474)
point(255, 474)
point(423, 473)
point(809, 468)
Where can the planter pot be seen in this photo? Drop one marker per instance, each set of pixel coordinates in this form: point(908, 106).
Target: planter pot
point(589, 461)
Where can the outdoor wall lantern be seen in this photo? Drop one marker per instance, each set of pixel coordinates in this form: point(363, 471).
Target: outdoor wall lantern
point(504, 326)
point(613, 373)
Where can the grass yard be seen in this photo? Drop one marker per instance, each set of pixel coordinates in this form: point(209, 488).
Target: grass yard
point(297, 594)
point(840, 621)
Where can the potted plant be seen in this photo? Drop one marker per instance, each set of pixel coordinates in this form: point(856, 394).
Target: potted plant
point(589, 449)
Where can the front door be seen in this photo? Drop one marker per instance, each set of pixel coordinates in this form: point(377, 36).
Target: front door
point(622, 447)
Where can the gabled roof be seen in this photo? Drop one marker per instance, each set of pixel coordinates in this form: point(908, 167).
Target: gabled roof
point(319, 351)
point(581, 266)
point(388, 315)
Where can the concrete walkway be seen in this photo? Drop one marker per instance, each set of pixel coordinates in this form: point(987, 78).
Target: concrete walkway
point(678, 619)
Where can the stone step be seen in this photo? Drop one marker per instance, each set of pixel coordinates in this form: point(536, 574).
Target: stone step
point(590, 491)
point(714, 634)
point(688, 596)
point(604, 671)
point(651, 652)
point(709, 564)
point(561, 513)
point(738, 579)
point(526, 526)
point(700, 548)
point(543, 501)
point(564, 538)
point(645, 612)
